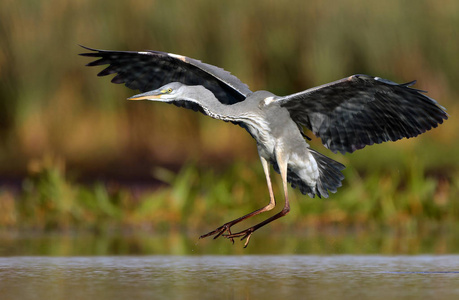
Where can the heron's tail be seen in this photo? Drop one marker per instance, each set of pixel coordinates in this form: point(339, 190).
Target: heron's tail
point(330, 175)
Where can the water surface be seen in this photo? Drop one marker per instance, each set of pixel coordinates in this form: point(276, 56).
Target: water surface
point(230, 277)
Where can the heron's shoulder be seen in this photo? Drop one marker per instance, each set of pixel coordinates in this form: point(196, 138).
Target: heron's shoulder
point(260, 95)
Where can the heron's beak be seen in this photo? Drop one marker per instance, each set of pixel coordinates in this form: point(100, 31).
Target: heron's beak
point(147, 96)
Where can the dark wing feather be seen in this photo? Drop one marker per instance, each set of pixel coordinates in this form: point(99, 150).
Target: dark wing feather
point(361, 110)
point(149, 70)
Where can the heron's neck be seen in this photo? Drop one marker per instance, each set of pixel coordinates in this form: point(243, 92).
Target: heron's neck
point(241, 112)
point(212, 106)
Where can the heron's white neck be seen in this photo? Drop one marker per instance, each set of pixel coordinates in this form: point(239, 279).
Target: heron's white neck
point(212, 106)
point(241, 112)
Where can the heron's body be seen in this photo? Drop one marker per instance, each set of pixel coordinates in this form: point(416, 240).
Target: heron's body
point(294, 149)
point(347, 115)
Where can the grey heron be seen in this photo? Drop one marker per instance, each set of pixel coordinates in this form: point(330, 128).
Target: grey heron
point(346, 115)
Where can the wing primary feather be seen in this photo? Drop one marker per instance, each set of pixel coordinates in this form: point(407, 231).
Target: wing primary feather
point(130, 67)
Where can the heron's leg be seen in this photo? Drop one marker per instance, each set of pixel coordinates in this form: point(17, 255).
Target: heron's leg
point(247, 234)
point(272, 203)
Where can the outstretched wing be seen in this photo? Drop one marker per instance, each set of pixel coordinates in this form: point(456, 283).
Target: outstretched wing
point(361, 110)
point(149, 70)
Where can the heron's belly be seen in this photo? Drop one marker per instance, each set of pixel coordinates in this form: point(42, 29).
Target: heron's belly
point(305, 166)
point(266, 150)
point(299, 159)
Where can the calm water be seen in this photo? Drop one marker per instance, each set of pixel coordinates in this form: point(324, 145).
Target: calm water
point(230, 277)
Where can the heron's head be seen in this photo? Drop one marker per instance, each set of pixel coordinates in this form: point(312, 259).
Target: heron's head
point(167, 92)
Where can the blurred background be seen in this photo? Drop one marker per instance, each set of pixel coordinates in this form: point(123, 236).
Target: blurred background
point(79, 163)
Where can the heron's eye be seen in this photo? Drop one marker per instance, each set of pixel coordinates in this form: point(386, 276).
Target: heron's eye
point(169, 90)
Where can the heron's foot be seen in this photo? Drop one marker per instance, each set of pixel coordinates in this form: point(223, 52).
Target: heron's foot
point(245, 234)
point(220, 231)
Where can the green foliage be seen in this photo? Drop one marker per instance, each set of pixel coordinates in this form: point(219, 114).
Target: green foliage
point(196, 198)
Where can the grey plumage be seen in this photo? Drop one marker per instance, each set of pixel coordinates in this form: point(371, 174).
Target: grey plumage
point(347, 115)
point(361, 110)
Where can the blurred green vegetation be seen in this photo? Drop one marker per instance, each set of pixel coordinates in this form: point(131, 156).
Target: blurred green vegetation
point(74, 154)
point(405, 198)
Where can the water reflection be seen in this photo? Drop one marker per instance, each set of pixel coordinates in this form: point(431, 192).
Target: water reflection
point(230, 277)
point(177, 243)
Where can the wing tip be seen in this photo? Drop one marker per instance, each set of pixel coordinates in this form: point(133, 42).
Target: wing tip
point(89, 49)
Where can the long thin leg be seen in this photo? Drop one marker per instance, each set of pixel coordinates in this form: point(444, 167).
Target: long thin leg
point(272, 203)
point(247, 234)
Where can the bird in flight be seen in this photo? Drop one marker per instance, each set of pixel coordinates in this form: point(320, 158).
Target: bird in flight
point(346, 115)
